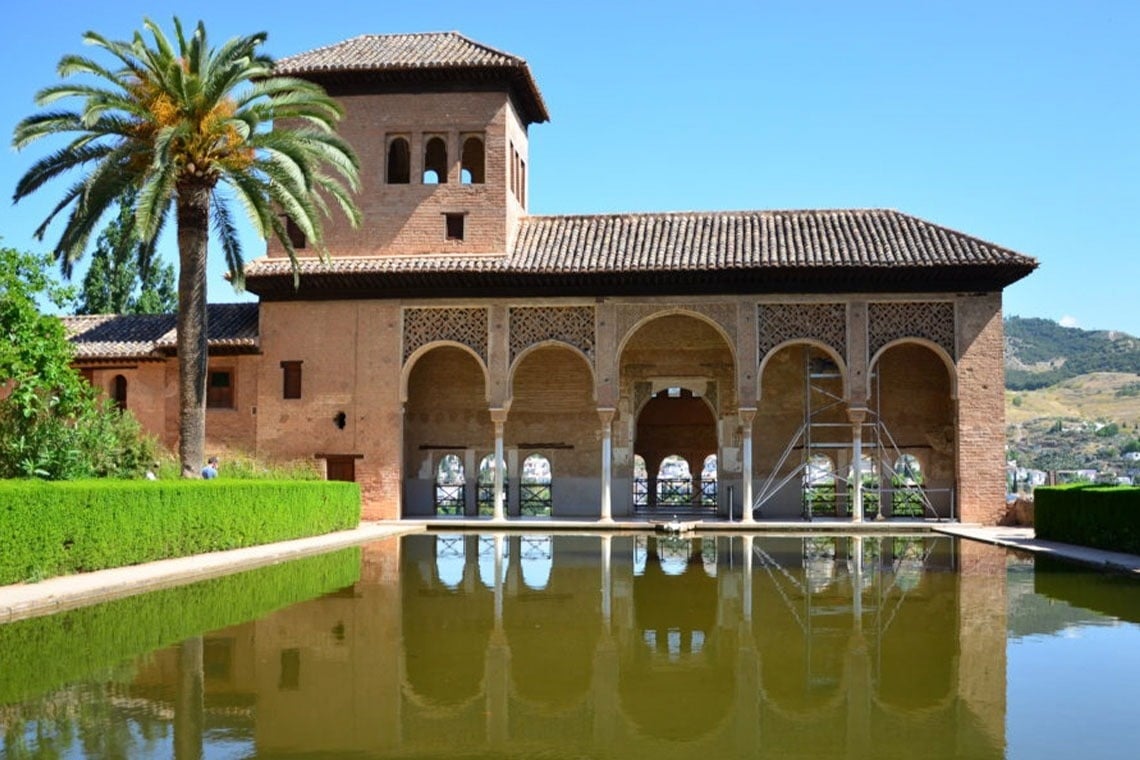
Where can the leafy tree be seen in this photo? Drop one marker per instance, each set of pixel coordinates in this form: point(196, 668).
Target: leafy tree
point(53, 425)
point(120, 265)
point(191, 128)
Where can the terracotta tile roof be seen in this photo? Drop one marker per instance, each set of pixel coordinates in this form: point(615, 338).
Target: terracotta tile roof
point(411, 54)
point(748, 251)
point(232, 326)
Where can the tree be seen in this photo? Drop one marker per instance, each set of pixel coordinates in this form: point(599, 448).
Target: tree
point(53, 425)
point(120, 265)
point(190, 128)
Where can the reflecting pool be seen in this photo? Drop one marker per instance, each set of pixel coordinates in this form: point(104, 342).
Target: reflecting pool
point(463, 645)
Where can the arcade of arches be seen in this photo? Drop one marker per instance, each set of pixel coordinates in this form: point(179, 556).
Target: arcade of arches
point(624, 407)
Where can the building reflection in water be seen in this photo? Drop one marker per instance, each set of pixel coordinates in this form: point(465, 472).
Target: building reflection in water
point(627, 645)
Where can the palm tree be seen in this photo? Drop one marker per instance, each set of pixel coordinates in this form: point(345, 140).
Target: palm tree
point(190, 129)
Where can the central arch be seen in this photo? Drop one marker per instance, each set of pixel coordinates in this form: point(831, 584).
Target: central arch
point(677, 377)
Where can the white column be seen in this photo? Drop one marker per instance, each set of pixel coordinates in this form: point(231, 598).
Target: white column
point(606, 415)
point(499, 417)
point(746, 418)
point(857, 416)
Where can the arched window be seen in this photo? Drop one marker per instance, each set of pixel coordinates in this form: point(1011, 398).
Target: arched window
point(472, 162)
point(640, 483)
point(535, 497)
point(449, 486)
point(708, 482)
point(119, 392)
point(435, 161)
point(536, 560)
point(907, 499)
point(487, 549)
point(485, 495)
point(399, 162)
point(450, 559)
point(674, 482)
point(819, 485)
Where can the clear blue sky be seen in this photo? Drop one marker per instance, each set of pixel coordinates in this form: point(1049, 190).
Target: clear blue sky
point(1016, 122)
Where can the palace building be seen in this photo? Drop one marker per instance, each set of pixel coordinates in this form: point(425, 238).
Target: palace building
point(743, 364)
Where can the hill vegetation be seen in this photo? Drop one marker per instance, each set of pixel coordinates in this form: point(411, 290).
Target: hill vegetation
point(1040, 353)
point(1072, 397)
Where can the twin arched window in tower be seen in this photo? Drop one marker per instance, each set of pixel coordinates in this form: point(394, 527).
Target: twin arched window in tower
point(472, 160)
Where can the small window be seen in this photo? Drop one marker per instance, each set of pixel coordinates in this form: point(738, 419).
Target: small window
point(454, 225)
point(472, 172)
point(399, 162)
point(295, 233)
point(291, 379)
point(435, 161)
point(119, 392)
point(220, 389)
point(290, 678)
point(522, 182)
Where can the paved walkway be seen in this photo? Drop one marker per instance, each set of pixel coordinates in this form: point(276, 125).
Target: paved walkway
point(1026, 540)
point(70, 591)
point(65, 592)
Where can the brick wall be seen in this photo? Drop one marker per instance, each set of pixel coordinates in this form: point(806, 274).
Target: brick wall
point(981, 409)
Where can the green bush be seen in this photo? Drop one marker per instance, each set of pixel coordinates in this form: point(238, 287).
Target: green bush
point(44, 653)
point(49, 529)
point(1103, 517)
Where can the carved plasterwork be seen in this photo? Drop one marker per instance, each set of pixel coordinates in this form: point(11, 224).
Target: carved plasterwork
point(573, 325)
point(464, 326)
point(931, 320)
point(782, 322)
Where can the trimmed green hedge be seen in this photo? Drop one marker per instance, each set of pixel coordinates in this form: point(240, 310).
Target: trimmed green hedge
point(44, 653)
point(49, 529)
point(1103, 517)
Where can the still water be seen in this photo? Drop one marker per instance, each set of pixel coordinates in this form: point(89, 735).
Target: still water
point(584, 646)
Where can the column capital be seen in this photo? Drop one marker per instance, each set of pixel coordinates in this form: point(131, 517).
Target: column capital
point(499, 415)
point(857, 414)
point(747, 415)
point(606, 414)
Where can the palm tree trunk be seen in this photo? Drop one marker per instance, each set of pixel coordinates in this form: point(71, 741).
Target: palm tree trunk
point(193, 235)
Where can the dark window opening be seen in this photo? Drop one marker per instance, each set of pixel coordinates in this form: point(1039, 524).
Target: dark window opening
point(220, 389)
point(399, 162)
point(454, 223)
point(290, 679)
point(88, 374)
point(291, 379)
point(435, 161)
point(522, 182)
point(296, 234)
point(119, 392)
point(473, 163)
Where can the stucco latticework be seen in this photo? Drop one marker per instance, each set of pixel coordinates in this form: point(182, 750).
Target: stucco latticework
point(823, 322)
point(467, 327)
point(930, 320)
point(572, 325)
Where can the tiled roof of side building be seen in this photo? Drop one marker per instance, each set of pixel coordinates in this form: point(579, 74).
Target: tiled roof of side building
point(764, 251)
point(412, 54)
point(232, 326)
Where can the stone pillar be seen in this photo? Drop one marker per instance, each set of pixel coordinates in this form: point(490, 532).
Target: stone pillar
point(606, 415)
point(857, 415)
point(747, 417)
point(499, 417)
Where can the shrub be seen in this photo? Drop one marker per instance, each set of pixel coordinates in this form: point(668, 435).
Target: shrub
point(51, 529)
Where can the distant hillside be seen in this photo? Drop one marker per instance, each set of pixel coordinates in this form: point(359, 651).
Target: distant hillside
point(1040, 353)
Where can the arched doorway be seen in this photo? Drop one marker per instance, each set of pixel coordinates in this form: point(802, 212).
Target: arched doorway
point(446, 419)
point(912, 403)
point(678, 384)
